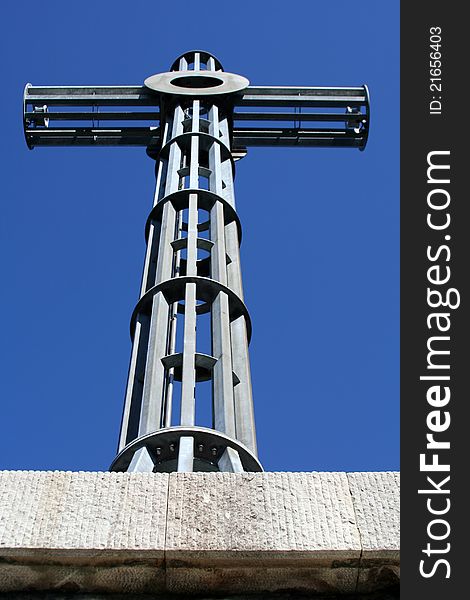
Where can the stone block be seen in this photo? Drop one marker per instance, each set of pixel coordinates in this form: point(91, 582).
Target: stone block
point(82, 531)
point(376, 500)
point(199, 533)
point(252, 531)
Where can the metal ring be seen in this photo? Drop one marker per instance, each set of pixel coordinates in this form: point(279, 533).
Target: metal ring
point(206, 200)
point(183, 140)
point(162, 439)
point(206, 290)
point(366, 137)
point(196, 83)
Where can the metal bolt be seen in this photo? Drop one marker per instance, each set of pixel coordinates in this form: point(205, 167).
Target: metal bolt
point(200, 447)
point(214, 451)
point(158, 451)
point(172, 447)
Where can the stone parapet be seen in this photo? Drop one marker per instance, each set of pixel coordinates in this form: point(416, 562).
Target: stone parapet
point(199, 533)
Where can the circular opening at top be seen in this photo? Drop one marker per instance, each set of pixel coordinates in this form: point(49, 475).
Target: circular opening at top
point(197, 81)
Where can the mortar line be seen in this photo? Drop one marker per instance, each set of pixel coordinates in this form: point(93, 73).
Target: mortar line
point(359, 534)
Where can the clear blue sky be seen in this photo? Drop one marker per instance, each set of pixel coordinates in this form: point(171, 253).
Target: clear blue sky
point(325, 308)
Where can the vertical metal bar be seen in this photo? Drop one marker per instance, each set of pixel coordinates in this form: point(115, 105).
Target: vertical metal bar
point(160, 179)
point(195, 117)
point(174, 158)
point(211, 64)
point(165, 250)
point(197, 61)
point(222, 376)
point(186, 455)
point(194, 157)
point(226, 166)
point(183, 64)
point(215, 180)
point(217, 227)
point(218, 252)
point(224, 130)
point(189, 358)
point(166, 130)
point(171, 371)
point(141, 462)
point(230, 461)
point(179, 235)
point(243, 394)
point(191, 255)
point(189, 343)
point(234, 274)
point(152, 244)
point(172, 334)
point(160, 188)
point(232, 244)
point(132, 384)
point(154, 382)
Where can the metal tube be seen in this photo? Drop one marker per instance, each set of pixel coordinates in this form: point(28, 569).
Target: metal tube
point(174, 160)
point(172, 334)
point(222, 382)
point(171, 371)
point(189, 357)
point(186, 455)
point(152, 245)
point(132, 383)
point(211, 64)
point(154, 382)
point(243, 394)
point(191, 254)
point(165, 251)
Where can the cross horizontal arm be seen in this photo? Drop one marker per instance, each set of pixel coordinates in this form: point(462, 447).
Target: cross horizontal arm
point(127, 95)
point(262, 116)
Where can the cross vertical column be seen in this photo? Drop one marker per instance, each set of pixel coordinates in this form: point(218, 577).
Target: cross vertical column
point(191, 268)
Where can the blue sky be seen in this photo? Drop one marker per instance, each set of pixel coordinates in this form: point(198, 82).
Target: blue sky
point(320, 244)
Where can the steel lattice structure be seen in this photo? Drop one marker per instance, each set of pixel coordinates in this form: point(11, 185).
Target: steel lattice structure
point(191, 122)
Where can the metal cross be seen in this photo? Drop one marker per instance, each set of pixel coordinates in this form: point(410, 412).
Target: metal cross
point(192, 122)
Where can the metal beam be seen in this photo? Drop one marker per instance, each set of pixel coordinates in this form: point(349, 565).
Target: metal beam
point(95, 116)
point(144, 137)
point(296, 116)
point(305, 107)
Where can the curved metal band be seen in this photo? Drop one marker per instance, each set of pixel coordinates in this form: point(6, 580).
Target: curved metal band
point(161, 443)
point(184, 142)
point(25, 125)
point(206, 201)
point(206, 290)
point(366, 137)
point(204, 364)
point(196, 83)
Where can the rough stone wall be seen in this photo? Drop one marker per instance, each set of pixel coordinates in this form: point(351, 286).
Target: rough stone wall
point(193, 533)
